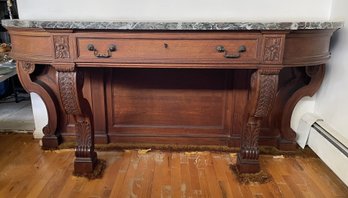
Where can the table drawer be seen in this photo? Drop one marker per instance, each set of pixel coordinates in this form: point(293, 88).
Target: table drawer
point(168, 50)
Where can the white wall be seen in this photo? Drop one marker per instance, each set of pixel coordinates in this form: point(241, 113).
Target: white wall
point(332, 97)
point(331, 101)
point(172, 10)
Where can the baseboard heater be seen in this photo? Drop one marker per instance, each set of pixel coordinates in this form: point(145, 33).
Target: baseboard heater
point(334, 141)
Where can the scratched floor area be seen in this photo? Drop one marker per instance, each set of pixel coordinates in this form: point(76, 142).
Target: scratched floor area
point(27, 171)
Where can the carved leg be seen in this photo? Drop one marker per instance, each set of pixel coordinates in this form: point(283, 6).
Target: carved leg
point(86, 157)
point(70, 82)
point(264, 83)
point(25, 70)
point(288, 136)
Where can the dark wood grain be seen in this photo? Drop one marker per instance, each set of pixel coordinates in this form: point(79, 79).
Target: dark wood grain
point(171, 86)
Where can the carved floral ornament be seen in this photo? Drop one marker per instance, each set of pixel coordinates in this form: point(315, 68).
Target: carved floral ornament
point(266, 83)
point(28, 67)
point(69, 97)
point(272, 49)
point(85, 138)
point(61, 46)
point(268, 88)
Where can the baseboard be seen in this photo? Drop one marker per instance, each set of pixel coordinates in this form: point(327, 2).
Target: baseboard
point(331, 138)
point(330, 150)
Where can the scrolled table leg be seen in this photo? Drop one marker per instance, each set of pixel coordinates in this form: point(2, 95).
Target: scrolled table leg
point(70, 81)
point(264, 85)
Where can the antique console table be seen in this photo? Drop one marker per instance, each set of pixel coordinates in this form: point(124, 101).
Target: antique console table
point(232, 84)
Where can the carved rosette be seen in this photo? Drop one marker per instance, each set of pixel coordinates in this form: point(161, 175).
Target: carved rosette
point(61, 46)
point(28, 67)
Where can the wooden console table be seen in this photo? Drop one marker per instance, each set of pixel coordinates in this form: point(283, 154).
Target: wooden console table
point(214, 83)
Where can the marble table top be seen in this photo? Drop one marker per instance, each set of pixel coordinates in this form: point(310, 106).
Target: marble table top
point(219, 26)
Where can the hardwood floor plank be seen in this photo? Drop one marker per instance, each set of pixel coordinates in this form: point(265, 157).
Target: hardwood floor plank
point(120, 177)
point(141, 179)
point(60, 175)
point(272, 185)
point(104, 186)
point(185, 187)
point(72, 187)
point(128, 183)
point(47, 173)
point(176, 175)
point(148, 175)
point(203, 180)
point(13, 174)
point(220, 165)
point(213, 184)
point(195, 185)
point(315, 180)
point(293, 186)
point(27, 171)
point(336, 185)
point(161, 180)
point(234, 184)
point(273, 166)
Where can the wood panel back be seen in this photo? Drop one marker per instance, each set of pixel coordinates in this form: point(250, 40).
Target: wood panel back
point(175, 103)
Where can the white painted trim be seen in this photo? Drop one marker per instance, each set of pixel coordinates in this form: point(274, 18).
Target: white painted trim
point(331, 156)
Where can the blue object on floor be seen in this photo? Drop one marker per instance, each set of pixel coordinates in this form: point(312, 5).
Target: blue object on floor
point(3, 88)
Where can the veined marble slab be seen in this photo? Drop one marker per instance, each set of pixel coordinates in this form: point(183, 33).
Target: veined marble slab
point(115, 25)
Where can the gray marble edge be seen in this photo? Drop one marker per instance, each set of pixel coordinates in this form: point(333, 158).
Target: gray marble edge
point(114, 25)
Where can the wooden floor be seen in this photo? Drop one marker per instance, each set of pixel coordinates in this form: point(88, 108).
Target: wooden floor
point(27, 171)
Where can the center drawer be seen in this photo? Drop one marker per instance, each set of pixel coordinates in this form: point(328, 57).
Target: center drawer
point(228, 49)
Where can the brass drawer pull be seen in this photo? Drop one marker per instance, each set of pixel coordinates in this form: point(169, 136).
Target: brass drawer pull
point(222, 49)
point(108, 53)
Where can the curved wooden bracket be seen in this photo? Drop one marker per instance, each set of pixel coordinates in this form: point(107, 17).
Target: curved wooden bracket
point(51, 139)
point(70, 82)
point(264, 85)
point(288, 136)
